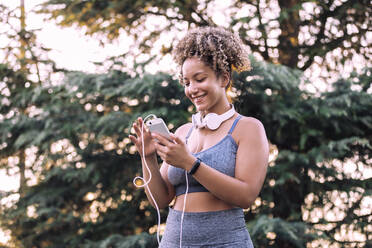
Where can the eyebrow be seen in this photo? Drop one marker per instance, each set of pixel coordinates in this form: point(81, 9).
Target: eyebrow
point(195, 74)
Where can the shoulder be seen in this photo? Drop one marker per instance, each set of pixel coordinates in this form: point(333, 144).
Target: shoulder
point(250, 122)
point(249, 128)
point(183, 130)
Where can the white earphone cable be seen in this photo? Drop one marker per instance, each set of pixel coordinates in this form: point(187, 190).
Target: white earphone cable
point(185, 199)
point(145, 184)
point(184, 207)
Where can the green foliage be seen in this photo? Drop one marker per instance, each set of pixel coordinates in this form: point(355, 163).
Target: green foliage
point(293, 33)
point(20, 47)
point(316, 136)
point(275, 232)
point(74, 135)
point(84, 162)
point(142, 240)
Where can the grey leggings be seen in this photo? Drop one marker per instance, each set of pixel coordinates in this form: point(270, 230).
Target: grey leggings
point(217, 229)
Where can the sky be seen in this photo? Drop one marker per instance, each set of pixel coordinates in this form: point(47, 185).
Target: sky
point(72, 50)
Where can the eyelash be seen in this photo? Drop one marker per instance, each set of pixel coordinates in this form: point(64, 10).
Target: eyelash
point(188, 83)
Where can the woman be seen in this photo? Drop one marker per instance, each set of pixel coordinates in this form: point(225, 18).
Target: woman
point(211, 170)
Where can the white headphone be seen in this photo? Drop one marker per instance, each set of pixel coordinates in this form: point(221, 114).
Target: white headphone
point(212, 120)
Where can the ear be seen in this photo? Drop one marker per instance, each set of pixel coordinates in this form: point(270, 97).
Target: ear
point(224, 79)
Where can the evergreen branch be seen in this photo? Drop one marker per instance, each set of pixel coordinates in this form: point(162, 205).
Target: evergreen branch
point(349, 215)
point(321, 52)
point(328, 13)
point(249, 43)
point(166, 16)
point(323, 221)
point(327, 186)
point(204, 22)
point(190, 20)
point(321, 34)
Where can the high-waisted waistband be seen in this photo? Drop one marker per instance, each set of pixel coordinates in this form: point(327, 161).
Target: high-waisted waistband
point(219, 229)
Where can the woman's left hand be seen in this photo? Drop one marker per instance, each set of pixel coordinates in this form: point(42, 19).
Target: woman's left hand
point(175, 153)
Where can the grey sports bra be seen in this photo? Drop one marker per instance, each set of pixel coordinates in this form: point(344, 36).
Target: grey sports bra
point(220, 156)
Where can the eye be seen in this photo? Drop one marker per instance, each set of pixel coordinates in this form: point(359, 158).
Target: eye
point(200, 80)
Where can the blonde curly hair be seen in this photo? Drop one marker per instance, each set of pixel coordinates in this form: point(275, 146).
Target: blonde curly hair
point(217, 47)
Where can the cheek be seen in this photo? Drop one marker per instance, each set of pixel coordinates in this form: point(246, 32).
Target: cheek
point(187, 92)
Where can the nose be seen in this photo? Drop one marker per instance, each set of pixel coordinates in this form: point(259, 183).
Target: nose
point(193, 87)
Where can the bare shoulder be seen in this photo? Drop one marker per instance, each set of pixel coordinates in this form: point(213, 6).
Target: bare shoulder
point(250, 122)
point(250, 128)
point(183, 130)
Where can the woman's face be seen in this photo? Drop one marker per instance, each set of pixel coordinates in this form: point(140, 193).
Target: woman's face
point(202, 86)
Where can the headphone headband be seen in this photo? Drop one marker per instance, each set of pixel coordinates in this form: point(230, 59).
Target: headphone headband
point(212, 120)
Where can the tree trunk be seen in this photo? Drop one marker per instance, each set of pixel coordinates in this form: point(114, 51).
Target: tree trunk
point(22, 170)
point(22, 56)
point(288, 39)
point(22, 40)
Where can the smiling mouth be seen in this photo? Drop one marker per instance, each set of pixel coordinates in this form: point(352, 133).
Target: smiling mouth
point(198, 98)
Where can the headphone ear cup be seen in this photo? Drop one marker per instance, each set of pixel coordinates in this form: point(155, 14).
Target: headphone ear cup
point(212, 121)
point(193, 120)
point(196, 120)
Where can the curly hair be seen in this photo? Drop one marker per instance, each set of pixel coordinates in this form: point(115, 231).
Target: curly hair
point(217, 47)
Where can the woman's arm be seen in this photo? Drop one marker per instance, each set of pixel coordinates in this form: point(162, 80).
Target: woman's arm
point(159, 185)
point(166, 200)
point(250, 170)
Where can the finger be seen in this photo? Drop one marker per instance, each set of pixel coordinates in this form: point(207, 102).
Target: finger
point(177, 139)
point(160, 148)
point(137, 130)
point(161, 155)
point(140, 127)
point(143, 126)
point(133, 139)
point(140, 122)
point(162, 139)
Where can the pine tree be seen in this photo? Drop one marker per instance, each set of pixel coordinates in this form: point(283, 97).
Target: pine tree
point(84, 163)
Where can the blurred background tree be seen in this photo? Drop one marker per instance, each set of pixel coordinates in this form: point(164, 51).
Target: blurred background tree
point(24, 68)
point(300, 34)
point(25, 56)
point(317, 191)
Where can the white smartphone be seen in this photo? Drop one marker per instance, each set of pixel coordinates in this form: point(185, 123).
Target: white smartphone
point(157, 125)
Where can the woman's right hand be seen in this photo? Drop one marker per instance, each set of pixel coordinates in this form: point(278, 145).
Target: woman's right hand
point(148, 140)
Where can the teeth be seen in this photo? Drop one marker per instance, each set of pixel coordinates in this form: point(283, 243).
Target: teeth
point(198, 97)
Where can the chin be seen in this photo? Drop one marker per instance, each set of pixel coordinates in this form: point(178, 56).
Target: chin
point(200, 108)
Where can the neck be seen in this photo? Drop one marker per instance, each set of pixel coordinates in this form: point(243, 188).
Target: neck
point(220, 110)
point(220, 107)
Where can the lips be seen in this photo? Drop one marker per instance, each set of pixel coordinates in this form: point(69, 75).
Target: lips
point(198, 99)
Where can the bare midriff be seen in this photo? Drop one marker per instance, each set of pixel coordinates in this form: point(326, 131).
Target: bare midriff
point(200, 202)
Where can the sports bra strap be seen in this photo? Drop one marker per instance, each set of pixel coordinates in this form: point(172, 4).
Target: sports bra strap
point(189, 133)
point(234, 124)
point(230, 131)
